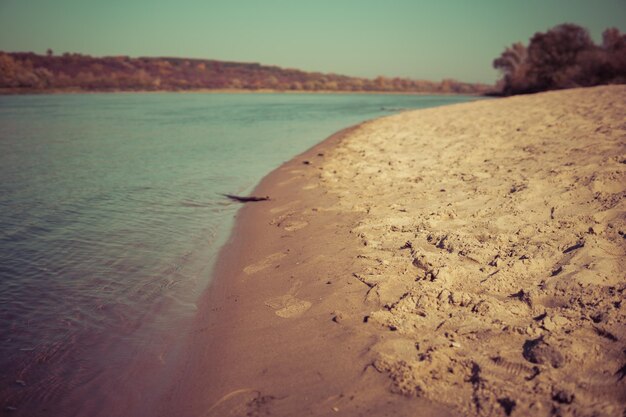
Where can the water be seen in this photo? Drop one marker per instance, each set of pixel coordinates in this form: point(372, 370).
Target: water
point(111, 217)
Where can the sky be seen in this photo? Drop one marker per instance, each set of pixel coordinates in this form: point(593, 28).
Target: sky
point(418, 39)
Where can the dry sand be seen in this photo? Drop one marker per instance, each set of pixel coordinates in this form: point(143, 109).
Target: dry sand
point(463, 260)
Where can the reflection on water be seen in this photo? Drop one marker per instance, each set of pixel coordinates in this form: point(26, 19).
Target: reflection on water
point(110, 217)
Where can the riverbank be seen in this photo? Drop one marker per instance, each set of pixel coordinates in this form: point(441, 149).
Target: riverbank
point(33, 91)
point(459, 260)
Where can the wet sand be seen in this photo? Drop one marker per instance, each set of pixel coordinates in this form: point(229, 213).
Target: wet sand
point(463, 260)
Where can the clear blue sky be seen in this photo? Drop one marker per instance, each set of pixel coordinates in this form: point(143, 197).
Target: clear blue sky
point(408, 38)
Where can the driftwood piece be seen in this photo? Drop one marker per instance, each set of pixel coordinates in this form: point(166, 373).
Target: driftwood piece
point(246, 199)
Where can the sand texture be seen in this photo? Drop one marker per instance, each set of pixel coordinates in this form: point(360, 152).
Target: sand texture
point(493, 242)
point(463, 260)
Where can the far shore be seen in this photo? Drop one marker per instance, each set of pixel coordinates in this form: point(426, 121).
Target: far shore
point(24, 91)
point(461, 260)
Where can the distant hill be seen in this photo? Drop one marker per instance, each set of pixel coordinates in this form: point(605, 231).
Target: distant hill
point(29, 72)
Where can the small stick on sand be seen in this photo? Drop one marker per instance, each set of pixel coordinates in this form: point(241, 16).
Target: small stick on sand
point(246, 199)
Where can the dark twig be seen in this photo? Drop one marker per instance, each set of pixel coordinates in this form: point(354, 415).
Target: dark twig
point(246, 199)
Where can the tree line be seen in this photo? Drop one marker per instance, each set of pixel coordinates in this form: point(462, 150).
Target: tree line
point(563, 57)
point(30, 72)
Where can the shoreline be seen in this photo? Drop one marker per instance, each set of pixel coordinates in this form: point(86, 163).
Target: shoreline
point(483, 280)
point(247, 311)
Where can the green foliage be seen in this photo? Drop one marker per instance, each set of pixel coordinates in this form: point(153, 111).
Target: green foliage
point(563, 57)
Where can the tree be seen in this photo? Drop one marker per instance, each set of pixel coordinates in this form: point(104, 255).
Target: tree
point(9, 70)
point(552, 56)
point(563, 57)
point(514, 67)
point(613, 40)
point(614, 48)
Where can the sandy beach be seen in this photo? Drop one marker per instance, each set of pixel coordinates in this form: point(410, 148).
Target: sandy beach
point(462, 260)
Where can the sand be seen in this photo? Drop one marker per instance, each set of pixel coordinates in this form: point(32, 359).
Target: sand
point(462, 260)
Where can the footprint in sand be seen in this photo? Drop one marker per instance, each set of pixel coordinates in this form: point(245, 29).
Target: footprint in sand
point(264, 263)
point(287, 306)
point(236, 403)
point(285, 207)
point(286, 222)
point(293, 225)
point(287, 181)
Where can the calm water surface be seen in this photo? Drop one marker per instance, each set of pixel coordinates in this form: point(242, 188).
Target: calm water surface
point(111, 217)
